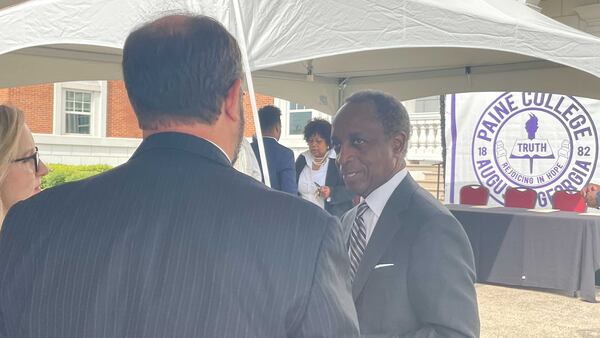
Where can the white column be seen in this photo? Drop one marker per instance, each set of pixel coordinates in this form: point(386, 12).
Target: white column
point(438, 142)
point(425, 143)
point(422, 138)
point(414, 143)
point(430, 137)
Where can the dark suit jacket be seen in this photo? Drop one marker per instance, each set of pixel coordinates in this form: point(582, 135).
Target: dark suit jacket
point(280, 161)
point(174, 243)
point(417, 275)
point(340, 200)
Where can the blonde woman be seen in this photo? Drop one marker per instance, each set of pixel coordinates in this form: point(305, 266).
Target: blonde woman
point(21, 170)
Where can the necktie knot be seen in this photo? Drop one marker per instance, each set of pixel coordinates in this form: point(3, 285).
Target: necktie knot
point(361, 209)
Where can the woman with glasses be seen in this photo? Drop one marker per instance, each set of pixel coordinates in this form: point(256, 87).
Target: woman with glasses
point(318, 177)
point(21, 170)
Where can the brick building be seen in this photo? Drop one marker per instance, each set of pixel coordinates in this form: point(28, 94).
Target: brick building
point(87, 122)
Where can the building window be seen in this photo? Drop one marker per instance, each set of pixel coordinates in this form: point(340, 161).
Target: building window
point(427, 104)
point(299, 117)
point(295, 117)
point(296, 106)
point(78, 111)
point(298, 120)
point(80, 108)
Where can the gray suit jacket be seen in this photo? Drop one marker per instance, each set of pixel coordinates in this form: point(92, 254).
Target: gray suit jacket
point(174, 243)
point(417, 274)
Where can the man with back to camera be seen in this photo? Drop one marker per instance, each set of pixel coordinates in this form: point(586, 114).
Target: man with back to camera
point(159, 246)
point(412, 267)
point(280, 159)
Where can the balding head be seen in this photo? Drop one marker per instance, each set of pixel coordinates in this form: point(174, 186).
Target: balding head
point(178, 69)
point(174, 23)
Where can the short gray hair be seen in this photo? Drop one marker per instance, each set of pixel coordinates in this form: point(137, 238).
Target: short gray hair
point(390, 112)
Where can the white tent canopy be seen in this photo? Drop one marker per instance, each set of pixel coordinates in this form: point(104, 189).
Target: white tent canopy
point(411, 48)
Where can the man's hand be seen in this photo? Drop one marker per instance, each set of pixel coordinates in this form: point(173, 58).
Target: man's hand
point(590, 193)
point(591, 199)
point(590, 189)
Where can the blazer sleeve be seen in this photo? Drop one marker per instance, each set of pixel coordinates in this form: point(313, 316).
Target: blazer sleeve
point(300, 164)
point(441, 277)
point(330, 311)
point(287, 174)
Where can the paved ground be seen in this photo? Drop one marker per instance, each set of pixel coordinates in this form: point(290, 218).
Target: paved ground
point(515, 312)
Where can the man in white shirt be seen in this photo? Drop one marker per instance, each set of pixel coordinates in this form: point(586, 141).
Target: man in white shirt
point(246, 161)
point(412, 267)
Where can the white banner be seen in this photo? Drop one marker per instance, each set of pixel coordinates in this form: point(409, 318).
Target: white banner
point(546, 142)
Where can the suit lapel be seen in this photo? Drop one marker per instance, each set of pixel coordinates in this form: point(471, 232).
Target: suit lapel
point(387, 226)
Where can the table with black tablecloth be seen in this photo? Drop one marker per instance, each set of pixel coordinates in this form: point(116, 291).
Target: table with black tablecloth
point(553, 250)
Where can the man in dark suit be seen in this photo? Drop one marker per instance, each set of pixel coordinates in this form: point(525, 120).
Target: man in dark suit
point(412, 266)
point(280, 159)
point(175, 242)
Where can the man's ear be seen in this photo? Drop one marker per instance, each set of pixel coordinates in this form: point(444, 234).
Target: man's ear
point(233, 101)
point(399, 142)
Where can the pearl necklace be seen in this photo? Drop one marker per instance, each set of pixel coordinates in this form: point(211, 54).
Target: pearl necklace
point(318, 161)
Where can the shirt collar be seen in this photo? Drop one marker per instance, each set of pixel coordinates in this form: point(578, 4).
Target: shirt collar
point(378, 198)
point(218, 147)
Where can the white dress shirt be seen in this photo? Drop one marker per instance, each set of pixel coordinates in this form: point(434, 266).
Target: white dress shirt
point(308, 177)
point(377, 200)
point(246, 161)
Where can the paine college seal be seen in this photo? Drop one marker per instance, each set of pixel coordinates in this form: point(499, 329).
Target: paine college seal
point(545, 142)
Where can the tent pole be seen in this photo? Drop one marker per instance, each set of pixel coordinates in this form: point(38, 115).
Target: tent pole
point(246, 62)
point(443, 140)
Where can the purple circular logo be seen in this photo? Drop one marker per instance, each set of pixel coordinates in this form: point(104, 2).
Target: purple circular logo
point(546, 142)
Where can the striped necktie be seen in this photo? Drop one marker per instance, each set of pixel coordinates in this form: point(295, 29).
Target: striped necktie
point(358, 239)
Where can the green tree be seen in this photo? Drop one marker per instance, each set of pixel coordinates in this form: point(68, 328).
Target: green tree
point(62, 173)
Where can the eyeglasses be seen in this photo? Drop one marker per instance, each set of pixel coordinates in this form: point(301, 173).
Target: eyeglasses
point(35, 157)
